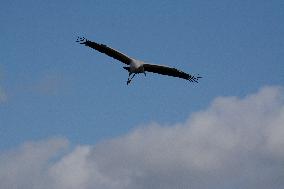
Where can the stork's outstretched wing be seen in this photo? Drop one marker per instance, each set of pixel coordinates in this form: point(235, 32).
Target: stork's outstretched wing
point(165, 70)
point(105, 49)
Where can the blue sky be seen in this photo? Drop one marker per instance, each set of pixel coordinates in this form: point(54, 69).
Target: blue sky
point(50, 86)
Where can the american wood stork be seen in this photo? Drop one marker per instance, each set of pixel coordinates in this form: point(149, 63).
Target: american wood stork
point(136, 66)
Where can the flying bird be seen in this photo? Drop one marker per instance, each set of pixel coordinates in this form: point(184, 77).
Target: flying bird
point(136, 66)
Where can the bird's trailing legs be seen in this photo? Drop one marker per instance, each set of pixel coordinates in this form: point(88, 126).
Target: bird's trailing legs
point(129, 79)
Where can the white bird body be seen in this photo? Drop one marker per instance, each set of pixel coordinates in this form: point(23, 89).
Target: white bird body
point(136, 66)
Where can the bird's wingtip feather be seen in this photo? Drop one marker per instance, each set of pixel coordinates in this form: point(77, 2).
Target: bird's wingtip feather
point(194, 78)
point(81, 40)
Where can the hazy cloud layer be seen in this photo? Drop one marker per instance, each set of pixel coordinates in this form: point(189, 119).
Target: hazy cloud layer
point(3, 96)
point(49, 84)
point(234, 143)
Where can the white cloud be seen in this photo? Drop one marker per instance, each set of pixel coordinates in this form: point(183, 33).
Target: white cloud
point(234, 143)
point(26, 166)
point(73, 169)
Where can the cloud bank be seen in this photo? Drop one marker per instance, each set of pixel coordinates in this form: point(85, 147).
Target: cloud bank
point(234, 143)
